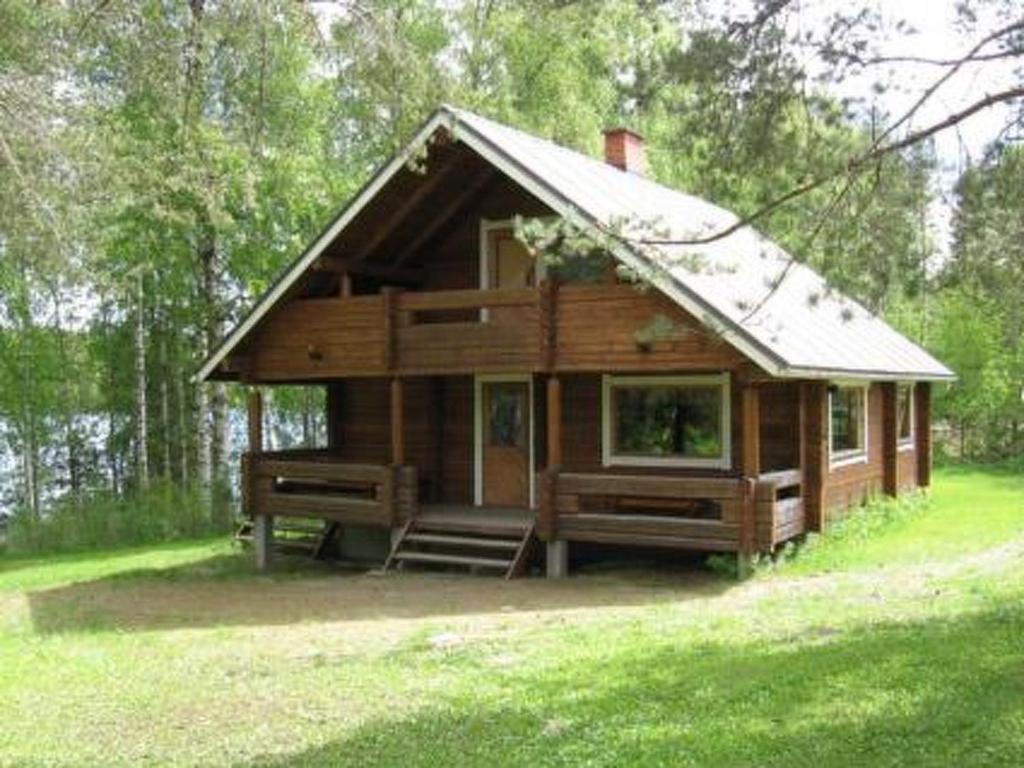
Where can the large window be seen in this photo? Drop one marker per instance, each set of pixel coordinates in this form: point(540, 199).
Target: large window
point(666, 421)
point(905, 416)
point(848, 424)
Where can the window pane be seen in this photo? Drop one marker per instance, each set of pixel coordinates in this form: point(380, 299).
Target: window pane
point(847, 419)
point(506, 425)
point(681, 421)
point(903, 406)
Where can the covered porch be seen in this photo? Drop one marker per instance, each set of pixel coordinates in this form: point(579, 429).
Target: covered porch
point(399, 484)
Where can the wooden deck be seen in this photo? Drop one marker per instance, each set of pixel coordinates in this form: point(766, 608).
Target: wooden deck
point(728, 514)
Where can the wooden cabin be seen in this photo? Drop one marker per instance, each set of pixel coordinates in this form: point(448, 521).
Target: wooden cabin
point(690, 389)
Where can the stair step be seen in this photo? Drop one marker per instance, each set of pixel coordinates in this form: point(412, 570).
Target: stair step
point(478, 527)
point(463, 541)
point(427, 557)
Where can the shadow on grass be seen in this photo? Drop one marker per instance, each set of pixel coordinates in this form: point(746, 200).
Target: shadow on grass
point(940, 692)
point(223, 591)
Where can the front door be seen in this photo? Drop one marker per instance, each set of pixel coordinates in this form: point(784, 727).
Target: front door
point(505, 443)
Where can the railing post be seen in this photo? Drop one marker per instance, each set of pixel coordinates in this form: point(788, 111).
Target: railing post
point(748, 533)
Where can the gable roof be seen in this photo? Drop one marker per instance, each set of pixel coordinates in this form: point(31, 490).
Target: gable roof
point(778, 312)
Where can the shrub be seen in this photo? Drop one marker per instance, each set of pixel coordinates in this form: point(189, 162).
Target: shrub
point(162, 513)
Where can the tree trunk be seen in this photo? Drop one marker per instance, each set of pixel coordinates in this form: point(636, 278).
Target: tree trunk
point(203, 457)
point(179, 381)
point(165, 409)
point(141, 424)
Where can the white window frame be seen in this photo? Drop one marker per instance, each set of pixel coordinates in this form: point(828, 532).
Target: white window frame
point(611, 459)
point(906, 443)
point(857, 455)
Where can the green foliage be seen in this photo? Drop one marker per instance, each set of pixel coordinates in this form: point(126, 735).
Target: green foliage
point(980, 318)
point(880, 517)
point(174, 655)
point(163, 513)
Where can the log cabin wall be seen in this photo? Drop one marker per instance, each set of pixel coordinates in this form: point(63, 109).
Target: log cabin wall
point(438, 430)
point(452, 257)
point(615, 328)
point(780, 426)
point(849, 486)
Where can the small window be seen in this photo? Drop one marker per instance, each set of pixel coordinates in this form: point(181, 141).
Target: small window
point(848, 424)
point(666, 421)
point(905, 415)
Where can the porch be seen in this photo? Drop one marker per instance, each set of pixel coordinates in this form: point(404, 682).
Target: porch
point(712, 514)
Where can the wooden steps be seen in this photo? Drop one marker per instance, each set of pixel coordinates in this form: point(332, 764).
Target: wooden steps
point(464, 541)
point(449, 559)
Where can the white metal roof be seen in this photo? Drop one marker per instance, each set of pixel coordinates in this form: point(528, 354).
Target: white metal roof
point(799, 328)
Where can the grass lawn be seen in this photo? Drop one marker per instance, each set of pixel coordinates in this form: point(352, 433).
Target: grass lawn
point(895, 644)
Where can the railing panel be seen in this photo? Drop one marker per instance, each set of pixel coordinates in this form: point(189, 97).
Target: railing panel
point(779, 507)
point(576, 518)
point(507, 340)
point(311, 484)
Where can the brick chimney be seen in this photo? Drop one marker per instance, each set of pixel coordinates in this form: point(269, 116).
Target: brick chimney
point(624, 149)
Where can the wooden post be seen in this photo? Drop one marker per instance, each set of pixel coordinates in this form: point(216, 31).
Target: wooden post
point(391, 298)
point(890, 439)
point(345, 285)
point(923, 432)
point(549, 324)
point(815, 469)
point(397, 422)
point(255, 409)
point(554, 423)
point(750, 455)
point(748, 532)
point(263, 541)
point(546, 518)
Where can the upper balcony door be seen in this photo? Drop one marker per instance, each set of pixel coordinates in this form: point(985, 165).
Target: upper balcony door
point(505, 263)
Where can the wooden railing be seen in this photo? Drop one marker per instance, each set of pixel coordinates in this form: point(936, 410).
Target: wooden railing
point(439, 331)
point(314, 484)
point(779, 507)
point(729, 514)
point(688, 513)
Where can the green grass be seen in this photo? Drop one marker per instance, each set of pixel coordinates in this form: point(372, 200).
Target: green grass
point(902, 647)
point(970, 511)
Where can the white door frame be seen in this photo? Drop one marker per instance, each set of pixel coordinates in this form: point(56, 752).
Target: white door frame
point(478, 429)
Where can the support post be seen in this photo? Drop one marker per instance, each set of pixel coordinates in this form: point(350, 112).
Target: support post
point(815, 470)
point(255, 412)
point(890, 439)
point(397, 422)
point(547, 513)
point(345, 284)
point(557, 559)
point(263, 541)
point(554, 423)
point(923, 433)
point(750, 399)
point(748, 532)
